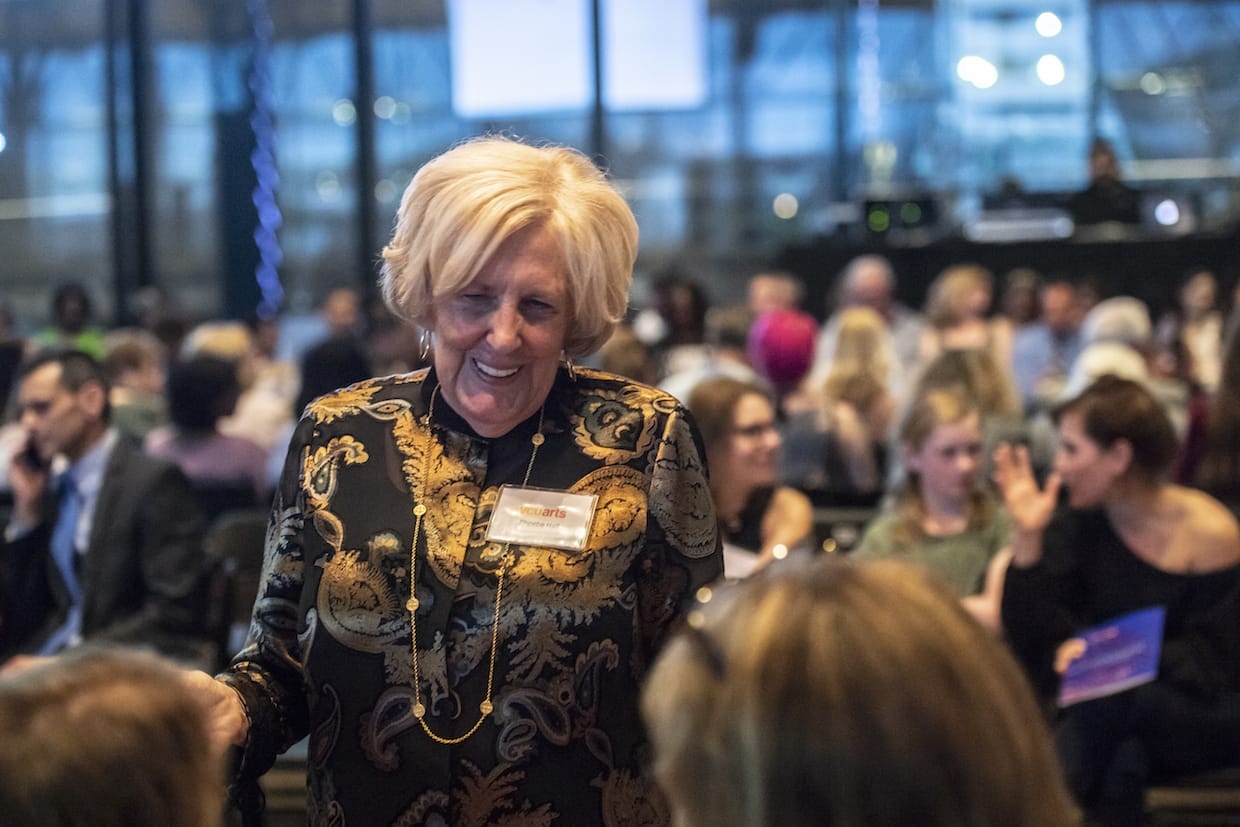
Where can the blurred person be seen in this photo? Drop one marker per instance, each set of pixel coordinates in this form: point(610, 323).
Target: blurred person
point(340, 358)
point(726, 354)
point(627, 355)
point(1214, 465)
point(1043, 352)
point(71, 326)
point(680, 306)
point(106, 547)
point(1126, 539)
point(957, 315)
point(1195, 325)
point(844, 693)
point(780, 347)
point(941, 515)
point(105, 737)
point(838, 442)
point(774, 290)
point(1106, 199)
point(202, 390)
point(869, 281)
point(1019, 303)
point(446, 610)
point(135, 361)
point(759, 519)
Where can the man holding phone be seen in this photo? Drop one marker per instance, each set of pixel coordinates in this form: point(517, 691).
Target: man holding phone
point(109, 548)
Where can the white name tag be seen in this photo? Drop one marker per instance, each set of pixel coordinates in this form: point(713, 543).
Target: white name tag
point(542, 517)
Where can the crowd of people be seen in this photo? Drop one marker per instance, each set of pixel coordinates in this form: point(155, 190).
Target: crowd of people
point(562, 562)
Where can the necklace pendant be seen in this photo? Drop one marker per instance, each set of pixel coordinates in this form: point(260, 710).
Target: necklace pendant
point(538, 439)
point(419, 711)
point(412, 604)
point(485, 707)
point(419, 510)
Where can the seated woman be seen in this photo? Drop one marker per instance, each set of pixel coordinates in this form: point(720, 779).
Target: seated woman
point(957, 304)
point(830, 692)
point(941, 517)
point(758, 520)
point(1126, 540)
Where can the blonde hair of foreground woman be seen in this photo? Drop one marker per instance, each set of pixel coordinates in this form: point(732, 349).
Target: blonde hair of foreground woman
point(847, 694)
point(95, 738)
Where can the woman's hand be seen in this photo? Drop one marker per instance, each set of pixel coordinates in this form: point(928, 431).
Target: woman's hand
point(1029, 506)
point(227, 723)
point(1068, 651)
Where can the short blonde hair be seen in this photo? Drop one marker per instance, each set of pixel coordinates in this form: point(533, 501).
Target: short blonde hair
point(462, 205)
point(948, 293)
point(837, 692)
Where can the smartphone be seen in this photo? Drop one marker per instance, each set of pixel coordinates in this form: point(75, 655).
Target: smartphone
point(31, 457)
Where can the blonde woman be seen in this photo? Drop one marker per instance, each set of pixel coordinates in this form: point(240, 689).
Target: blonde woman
point(957, 305)
point(941, 517)
point(857, 410)
point(831, 692)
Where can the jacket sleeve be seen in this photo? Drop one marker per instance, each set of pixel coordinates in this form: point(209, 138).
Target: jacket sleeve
point(682, 550)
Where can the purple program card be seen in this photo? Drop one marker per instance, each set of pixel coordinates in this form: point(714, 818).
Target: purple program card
point(1119, 654)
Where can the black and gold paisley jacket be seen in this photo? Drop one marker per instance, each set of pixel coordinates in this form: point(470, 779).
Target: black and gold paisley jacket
point(329, 650)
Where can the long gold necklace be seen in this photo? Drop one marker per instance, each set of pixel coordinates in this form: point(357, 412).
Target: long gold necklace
point(419, 511)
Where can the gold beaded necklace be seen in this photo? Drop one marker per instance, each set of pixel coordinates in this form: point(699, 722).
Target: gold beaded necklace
point(419, 511)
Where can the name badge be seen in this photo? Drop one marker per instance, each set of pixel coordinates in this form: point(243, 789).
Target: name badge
point(542, 517)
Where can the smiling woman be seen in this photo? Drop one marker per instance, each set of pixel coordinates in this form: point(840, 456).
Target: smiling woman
point(454, 660)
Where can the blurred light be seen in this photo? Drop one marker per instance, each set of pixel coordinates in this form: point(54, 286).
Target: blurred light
point(385, 107)
point(386, 191)
point(879, 220)
point(910, 213)
point(1167, 213)
point(977, 71)
point(402, 113)
point(785, 205)
point(327, 185)
point(1048, 24)
point(704, 594)
point(3, 142)
point(344, 113)
point(779, 551)
point(1152, 83)
point(1050, 70)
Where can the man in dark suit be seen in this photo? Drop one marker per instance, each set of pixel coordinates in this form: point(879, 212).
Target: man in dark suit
point(110, 547)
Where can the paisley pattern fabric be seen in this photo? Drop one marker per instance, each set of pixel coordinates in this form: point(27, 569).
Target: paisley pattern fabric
point(329, 646)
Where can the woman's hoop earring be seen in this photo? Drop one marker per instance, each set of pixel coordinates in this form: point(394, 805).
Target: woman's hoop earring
point(570, 367)
point(425, 342)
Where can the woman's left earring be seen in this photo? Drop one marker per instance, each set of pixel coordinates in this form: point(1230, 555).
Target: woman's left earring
point(570, 367)
point(425, 342)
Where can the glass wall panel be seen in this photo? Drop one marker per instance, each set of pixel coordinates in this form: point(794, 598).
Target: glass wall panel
point(54, 194)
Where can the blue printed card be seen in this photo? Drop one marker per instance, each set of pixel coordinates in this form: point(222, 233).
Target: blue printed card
point(1119, 654)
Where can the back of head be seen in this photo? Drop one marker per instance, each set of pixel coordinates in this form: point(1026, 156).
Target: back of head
point(201, 390)
point(781, 346)
point(860, 366)
point(832, 692)
point(1122, 319)
point(976, 370)
point(105, 738)
point(462, 205)
point(1113, 408)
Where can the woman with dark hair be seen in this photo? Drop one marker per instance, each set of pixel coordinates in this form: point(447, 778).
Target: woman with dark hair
point(1126, 540)
point(228, 471)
